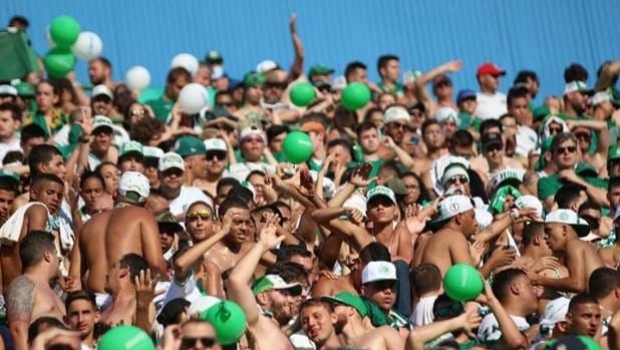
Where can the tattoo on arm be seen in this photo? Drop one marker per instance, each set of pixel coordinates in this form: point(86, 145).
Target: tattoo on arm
point(20, 299)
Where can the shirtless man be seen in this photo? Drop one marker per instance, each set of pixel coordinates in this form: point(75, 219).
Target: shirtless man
point(30, 296)
point(264, 330)
point(492, 159)
point(562, 231)
point(121, 284)
point(227, 252)
point(46, 190)
point(449, 245)
point(321, 324)
point(129, 228)
point(351, 308)
point(435, 146)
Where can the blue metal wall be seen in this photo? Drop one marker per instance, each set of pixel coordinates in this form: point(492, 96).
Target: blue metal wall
point(541, 35)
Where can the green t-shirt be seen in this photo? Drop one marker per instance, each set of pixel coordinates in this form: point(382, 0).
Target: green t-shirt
point(161, 107)
point(594, 140)
point(59, 119)
point(398, 89)
point(465, 120)
point(548, 186)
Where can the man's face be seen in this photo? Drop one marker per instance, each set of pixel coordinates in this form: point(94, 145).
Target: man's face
point(46, 98)
point(413, 189)
point(555, 236)
point(274, 86)
point(30, 143)
point(199, 222)
point(527, 292)
point(494, 153)
point(341, 155)
point(198, 336)
point(166, 238)
point(396, 130)
point(49, 193)
point(614, 196)
point(565, 155)
point(132, 163)
point(584, 137)
point(369, 140)
point(317, 322)
point(469, 224)
point(6, 202)
point(97, 72)
point(252, 147)
point(433, 136)
point(103, 137)
point(56, 166)
point(102, 105)
point(275, 144)
point(172, 178)
point(203, 76)
point(579, 101)
point(241, 227)
point(520, 110)
point(448, 128)
point(226, 101)
point(222, 193)
point(82, 317)
point(253, 94)
point(91, 190)
point(382, 293)
point(468, 105)
point(215, 162)
point(175, 87)
point(197, 164)
point(381, 210)
point(358, 75)
point(8, 125)
point(391, 71)
point(489, 81)
point(585, 319)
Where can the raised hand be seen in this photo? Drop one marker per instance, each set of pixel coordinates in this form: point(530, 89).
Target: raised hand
point(292, 23)
point(268, 237)
point(470, 319)
point(145, 288)
point(306, 184)
point(360, 175)
point(355, 216)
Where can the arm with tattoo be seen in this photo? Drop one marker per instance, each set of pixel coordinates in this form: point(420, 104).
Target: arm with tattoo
point(19, 306)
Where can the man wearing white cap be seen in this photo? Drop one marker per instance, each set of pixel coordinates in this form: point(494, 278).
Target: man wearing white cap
point(101, 101)
point(217, 156)
point(563, 228)
point(106, 238)
point(379, 289)
point(101, 140)
point(553, 321)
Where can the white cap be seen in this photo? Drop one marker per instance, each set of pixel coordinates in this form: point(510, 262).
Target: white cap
point(555, 312)
point(575, 86)
point(152, 152)
point(381, 191)
point(215, 144)
point(8, 90)
point(483, 218)
point(600, 97)
point(201, 304)
point(217, 72)
point(171, 160)
point(529, 201)
point(266, 66)
point(379, 271)
point(452, 206)
point(102, 90)
point(133, 181)
point(356, 202)
point(454, 170)
point(569, 217)
point(396, 113)
point(102, 121)
point(511, 176)
point(339, 83)
point(251, 130)
point(444, 114)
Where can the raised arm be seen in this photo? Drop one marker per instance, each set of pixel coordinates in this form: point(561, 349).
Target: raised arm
point(20, 304)
point(298, 64)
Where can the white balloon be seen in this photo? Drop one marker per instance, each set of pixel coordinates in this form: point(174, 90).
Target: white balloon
point(138, 78)
point(48, 38)
point(193, 98)
point(186, 61)
point(88, 46)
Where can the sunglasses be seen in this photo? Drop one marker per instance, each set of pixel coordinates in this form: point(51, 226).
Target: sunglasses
point(105, 100)
point(457, 180)
point(189, 342)
point(450, 311)
point(399, 125)
point(174, 171)
point(383, 285)
point(220, 155)
point(554, 131)
point(583, 135)
point(491, 148)
point(203, 214)
point(565, 150)
point(415, 113)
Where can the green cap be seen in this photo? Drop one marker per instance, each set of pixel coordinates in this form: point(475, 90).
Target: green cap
point(131, 147)
point(319, 69)
point(187, 146)
point(349, 299)
point(214, 57)
point(228, 321)
point(614, 153)
point(397, 186)
point(152, 152)
point(252, 78)
point(9, 174)
point(540, 113)
point(125, 338)
point(25, 89)
point(270, 282)
point(103, 122)
point(380, 191)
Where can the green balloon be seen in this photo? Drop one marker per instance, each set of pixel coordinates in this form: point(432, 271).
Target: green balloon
point(302, 94)
point(355, 96)
point(59, 62)
point(150, 94)
point(126, 338)
point(228, 320)
point(590, 343)
point(462, 282)
point(297, 147)
point(64, 31)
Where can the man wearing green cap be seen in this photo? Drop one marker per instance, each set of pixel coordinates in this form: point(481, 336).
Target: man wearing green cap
point(102, 138)
point(352, 308)
point(131, 157)
point(194, 154)
point(319, 72)
point(253, 93)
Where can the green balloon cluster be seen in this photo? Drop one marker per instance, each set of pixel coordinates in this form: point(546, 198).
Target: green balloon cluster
point(302, 94)
point(355, 96)
point(462, 282)
point(297, 147)
point(60, 61)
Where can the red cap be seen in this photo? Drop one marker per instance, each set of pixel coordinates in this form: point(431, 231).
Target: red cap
point(490, 68)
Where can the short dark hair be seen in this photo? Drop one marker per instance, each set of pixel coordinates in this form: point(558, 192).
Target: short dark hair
point(19, 19)
point(502, 281)
point(176, 73)
point(316, 302)
point(91, 175)
point(35, 327)
point(425, 278)
point(106, 62)
point(352, 66)
point(384, 60)
point(343, 143)
point(80, 295)
point(276, 130)
point(34, 246)
point(40, 178)
point(13, 157)
point(575, 72)
point(581, 299)
point(488, 124)
point(589, 205)
point(530, 231)
point(227, 181)
point(287, 251)
point(40, 155)
point(16, 113)
point(461, 138)
point(524, 75)
point(135, 263)
point(375, 251)
point(428, 123)
point(32, 131)
point(603, 281)
point(231, 202)
point(156, 192)
point(613, 182)
point(514, 94)
point(289, 271)
point(567, 195)
point(363, 127)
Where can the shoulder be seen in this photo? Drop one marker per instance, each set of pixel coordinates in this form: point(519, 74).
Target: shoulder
point(21, 283)
point(20, 297)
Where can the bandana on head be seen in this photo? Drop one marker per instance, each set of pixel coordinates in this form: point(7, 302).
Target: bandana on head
point(499, 198)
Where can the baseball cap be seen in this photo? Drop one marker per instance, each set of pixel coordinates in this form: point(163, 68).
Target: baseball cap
point(397, 186)
point(540, 113)
point(168, 223)
point(152, 152)
point(483, 218)
point(379, 271)
point(572, 342)
point(396, 113)
point(452, 206)
point(25, 89)
point(187, 146)
point(214, 57)
point(356, 202)
point(578, 86)
point(171, 310)
point(132, 147)
point(10, 174)
point(102, 90)
point(103, 122)
point(569, 217)
point(270, 282)
point(614, 153)
point(444, 114)
point(312, 125)
point(215, 144)
point(133, 181)
point(555, 312)
point(339, 83)
point(171, 160)
point(491, 139)
point(266, 66)
point(201, 304)
point(454, 169)
point(249, 131)
point(319, 69)
point(491, 69)
point(251, 79)
point(380, 191)
point(8, 90)
point(513, 177)
point(529, 201)
point(349, 299)
point(465, 94)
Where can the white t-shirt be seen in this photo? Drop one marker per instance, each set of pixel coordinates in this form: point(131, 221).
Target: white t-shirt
point(186, 289)
point(423, 312)
point(93, 161)
point(527, 139)
point(490, 106)
point(61, 138)
point(489, 330)
point(187, 197)
point(13, 145)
